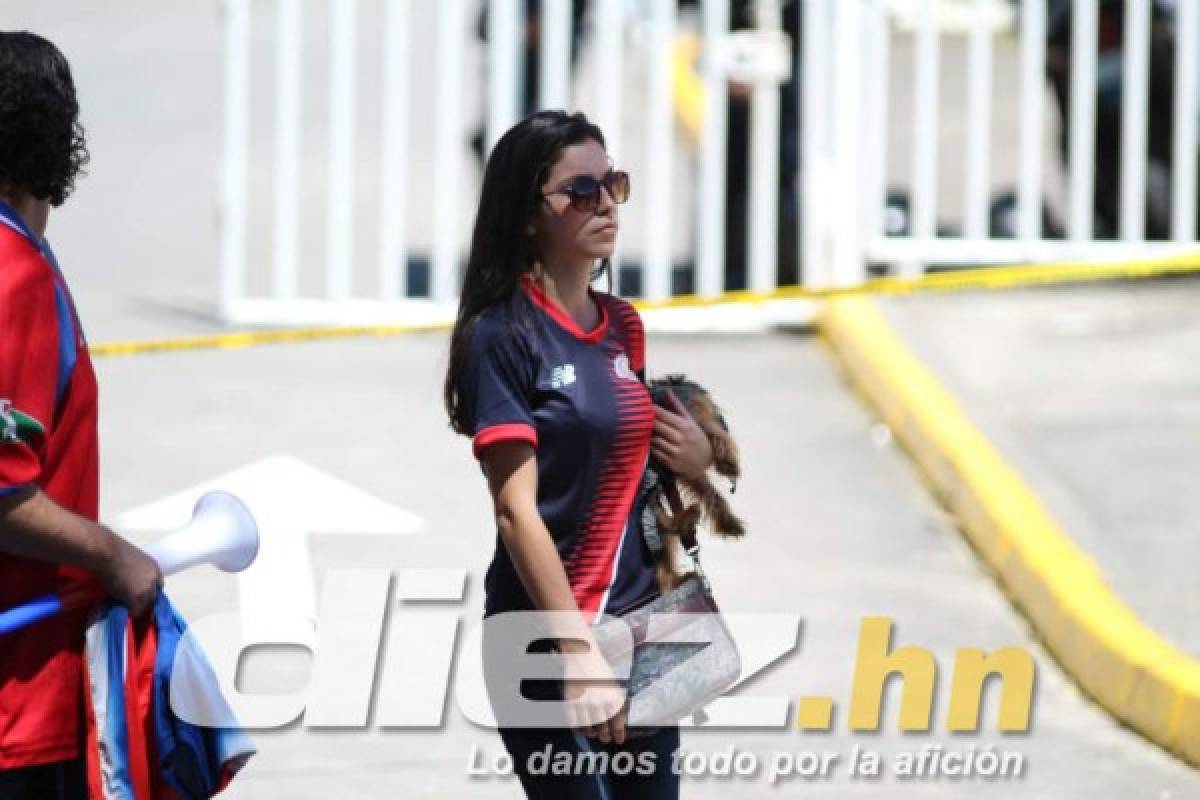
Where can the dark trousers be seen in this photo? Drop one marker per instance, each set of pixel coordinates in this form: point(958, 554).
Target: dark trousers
point(60, 781)
point(639, 769)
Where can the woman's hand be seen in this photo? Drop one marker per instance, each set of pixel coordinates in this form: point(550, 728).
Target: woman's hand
point(678, 442)
point(595, 701)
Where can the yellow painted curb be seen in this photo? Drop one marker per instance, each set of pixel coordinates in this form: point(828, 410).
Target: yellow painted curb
point(1142, 679)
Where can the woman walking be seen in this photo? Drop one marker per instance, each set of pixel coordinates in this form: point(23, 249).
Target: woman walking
point(546, 376)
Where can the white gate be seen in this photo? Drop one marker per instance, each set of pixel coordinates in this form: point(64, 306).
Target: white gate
point(329, 236)
point(386, 94)
point(850, 146)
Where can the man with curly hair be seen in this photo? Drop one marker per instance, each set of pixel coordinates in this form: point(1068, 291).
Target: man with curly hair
point(49, 537)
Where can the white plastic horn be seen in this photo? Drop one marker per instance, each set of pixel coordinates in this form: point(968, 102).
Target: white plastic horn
point(222, 533)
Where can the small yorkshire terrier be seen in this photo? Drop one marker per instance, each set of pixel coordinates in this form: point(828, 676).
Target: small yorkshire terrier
point(678, 505)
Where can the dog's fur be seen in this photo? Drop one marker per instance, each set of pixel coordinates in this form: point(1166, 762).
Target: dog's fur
point(700, 499)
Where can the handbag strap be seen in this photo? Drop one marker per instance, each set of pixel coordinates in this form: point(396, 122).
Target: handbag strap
point(687, 538)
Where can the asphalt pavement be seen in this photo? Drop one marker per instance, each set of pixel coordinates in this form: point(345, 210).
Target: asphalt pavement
point(840, 529)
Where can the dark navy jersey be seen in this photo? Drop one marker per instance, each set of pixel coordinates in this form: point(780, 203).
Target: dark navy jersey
point(533, 375)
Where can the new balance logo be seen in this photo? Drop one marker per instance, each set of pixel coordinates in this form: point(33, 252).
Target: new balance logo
point(562, 376)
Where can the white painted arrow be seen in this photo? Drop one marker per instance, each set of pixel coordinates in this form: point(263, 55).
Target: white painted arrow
point(289, 499)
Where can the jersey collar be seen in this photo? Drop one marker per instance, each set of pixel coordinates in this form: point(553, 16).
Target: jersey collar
point(10, 217)
point(559, 315)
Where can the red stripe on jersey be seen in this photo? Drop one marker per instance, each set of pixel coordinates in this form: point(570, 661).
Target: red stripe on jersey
point(505, 432)
point(140, 653)
point(635, 334)
point(591, 562)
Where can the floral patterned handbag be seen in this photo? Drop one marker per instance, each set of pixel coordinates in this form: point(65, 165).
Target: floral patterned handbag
point(681, 655)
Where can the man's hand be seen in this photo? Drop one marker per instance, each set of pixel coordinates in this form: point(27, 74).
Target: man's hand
point(34, 526)
point(131, 577)
point(678, 442)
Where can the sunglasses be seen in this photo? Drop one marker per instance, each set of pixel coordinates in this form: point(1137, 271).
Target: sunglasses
point(584, 190)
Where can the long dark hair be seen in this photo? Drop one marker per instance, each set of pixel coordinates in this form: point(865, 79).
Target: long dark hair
point(501, 248)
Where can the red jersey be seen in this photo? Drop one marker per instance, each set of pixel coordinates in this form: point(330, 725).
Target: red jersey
point(48, 438)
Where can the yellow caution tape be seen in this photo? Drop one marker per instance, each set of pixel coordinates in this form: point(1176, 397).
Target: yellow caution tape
point(241, 339)
point(957, 280)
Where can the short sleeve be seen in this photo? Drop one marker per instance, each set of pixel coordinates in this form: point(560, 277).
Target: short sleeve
point(28, 369)
point(498, 386)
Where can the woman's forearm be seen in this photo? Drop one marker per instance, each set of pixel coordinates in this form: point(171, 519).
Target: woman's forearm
point(537, 560)
point(541, 571)
point(512, 477)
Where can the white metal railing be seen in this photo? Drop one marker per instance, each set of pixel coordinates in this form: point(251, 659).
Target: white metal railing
point(628, 93)
point(1187, 97)
point(850, 141)
point(1033, 95)
point(236, 159)
point(848, 75)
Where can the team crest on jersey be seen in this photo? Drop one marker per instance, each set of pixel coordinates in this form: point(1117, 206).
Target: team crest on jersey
point(622, 369)
point(17, 426)
point(562, 376)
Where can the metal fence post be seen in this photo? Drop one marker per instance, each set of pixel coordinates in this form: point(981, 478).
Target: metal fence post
point(1134, 106)
point(288, 59)
point(236, 155)
point(815, 133)
point(449, 149)
point(1187, 97)
point(1033, 95)
point(656, 263)
point(1082, 142)
point(504, 68)
point(554, 71)
point(979, 123)
point(393, 255)
point(764, 166)
point(925, 130)
point(848, 252)
point(710, 256)
point(343, 44)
